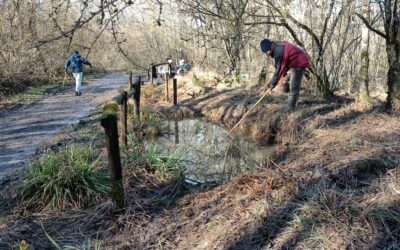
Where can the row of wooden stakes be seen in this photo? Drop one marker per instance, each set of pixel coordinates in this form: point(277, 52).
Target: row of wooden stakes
point(109, 123)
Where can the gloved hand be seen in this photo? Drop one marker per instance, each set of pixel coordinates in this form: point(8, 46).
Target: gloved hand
point(270, 86)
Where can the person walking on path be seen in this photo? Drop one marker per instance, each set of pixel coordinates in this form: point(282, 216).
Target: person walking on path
point(288, 59)
point(76, 61)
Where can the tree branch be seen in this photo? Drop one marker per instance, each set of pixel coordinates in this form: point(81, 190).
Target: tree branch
point(366, 23)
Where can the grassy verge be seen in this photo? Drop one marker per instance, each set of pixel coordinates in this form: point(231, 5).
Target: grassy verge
point(33, 93)
point(72, 177)
point(166, 170)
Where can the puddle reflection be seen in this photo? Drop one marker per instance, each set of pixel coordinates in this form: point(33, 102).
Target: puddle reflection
point(209, 154)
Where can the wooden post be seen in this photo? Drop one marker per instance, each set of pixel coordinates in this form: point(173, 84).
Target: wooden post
point(137, 85)
point(129, 88)
point(130, 81)
point(124, 118)
point(166, 86)
point(151, 73)
point(175, 87)
point(117, 188)
point(176, 132)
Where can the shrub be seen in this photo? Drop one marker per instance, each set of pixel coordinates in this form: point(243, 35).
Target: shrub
point(72, 177)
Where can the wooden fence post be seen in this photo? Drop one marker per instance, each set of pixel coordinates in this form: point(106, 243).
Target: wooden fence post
point(137, 85)
point(130, 81)
point(151, 73)
point(166, 86)
point(124, 118)
point(175, 87)
point(109, 123)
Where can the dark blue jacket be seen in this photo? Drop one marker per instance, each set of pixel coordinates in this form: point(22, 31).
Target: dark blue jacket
point(76, 60)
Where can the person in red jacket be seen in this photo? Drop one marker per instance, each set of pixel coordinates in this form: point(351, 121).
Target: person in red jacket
point(288, 59)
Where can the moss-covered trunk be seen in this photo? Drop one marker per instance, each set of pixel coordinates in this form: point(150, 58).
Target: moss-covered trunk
point(393, 76)
point(392, 28)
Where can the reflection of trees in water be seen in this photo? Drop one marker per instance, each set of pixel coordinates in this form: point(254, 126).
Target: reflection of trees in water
point(210, 154)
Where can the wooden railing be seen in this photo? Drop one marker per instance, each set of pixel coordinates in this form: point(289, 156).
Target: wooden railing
point(109, 123)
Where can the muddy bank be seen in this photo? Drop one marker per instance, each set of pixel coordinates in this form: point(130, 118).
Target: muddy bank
point(335, 166)
point(267, 123)
point(333, 172)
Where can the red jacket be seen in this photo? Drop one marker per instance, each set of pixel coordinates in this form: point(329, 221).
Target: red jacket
point(287, 56)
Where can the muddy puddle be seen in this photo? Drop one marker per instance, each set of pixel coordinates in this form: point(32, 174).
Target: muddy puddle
point(208, 153)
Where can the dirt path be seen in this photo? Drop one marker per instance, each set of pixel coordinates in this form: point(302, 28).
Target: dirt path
point(23, 130)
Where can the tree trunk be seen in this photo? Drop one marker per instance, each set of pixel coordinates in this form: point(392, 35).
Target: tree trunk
point(393, 76)
point(392, 28)
point(364, 70)
point(322, 78)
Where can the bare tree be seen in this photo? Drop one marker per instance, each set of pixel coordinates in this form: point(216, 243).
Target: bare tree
point(364, 74)
point(321, 34)
point(32, 29)
point(222, 23)
point(390, 12)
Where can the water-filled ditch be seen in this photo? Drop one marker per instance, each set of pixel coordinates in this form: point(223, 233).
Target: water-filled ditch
point(208, 153)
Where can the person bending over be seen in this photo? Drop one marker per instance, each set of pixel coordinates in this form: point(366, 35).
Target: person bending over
point(288, 59)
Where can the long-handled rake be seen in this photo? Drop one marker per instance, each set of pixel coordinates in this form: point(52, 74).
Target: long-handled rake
point(248, 112)
point(268, 91)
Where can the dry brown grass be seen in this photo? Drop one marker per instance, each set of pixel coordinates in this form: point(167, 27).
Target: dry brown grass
point(334, 184)
point(329, 144)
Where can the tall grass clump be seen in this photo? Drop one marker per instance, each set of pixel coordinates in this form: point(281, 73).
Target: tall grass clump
point(168, 166)
point(150, 116)
point(71, 177)
point(164, 165)
point(152, 157)
point(163, 161)
point(151, 123)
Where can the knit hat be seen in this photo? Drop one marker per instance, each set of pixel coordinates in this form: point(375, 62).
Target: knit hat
point(265, 45)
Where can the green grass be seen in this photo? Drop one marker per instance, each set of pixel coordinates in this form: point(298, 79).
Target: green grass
point(86, 245)
point(149, 116)
point(151, 122)
point(33, 93)
point(72, 177)
point(164, 162)
point(166, 165)
point(196, 80)
point(153, 158)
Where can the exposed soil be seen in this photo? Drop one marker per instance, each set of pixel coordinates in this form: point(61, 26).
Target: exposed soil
point(333, 182)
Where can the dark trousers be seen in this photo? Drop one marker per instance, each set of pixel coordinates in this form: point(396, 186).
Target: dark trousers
point(295, 75)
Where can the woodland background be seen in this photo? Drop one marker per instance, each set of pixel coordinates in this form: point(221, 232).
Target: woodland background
point(354, 45)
